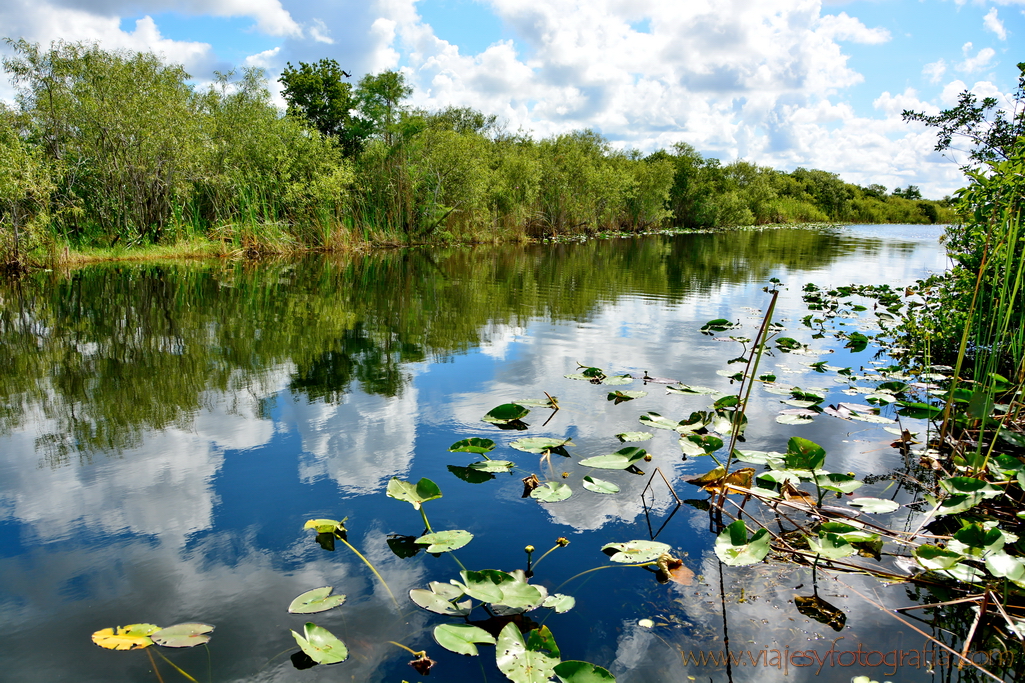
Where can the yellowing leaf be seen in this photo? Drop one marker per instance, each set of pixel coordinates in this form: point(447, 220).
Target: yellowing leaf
point(131, 637)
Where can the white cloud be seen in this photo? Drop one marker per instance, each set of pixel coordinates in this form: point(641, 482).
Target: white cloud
point(978, 62)
point(320, 33)
point(934, 70)
point(991, 23)
point(843, 27)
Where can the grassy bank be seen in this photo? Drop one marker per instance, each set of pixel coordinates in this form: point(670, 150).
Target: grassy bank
point(112, 150)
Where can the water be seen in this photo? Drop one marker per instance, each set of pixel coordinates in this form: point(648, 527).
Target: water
point(167, 429)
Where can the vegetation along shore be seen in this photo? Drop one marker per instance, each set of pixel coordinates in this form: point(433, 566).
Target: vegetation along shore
point(110, 154)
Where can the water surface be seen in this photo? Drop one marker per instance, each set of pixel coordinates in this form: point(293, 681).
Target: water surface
point(166, 430)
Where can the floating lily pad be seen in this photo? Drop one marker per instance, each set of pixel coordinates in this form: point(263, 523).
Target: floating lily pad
point(462, 638)
point(539, 444)
point(316, 600)
point(505, 413)
point(734, 549)
point(441, 599)
point(839, 482)
point(530, 661)
point(934, 557)
point(700, 444)
point(620, 396)
point(321, 645)
point(634, 436)
point(599, 485)
point(492, 465)
point(559, 602)
point(445, 541)
point(551, 492)
point(131, 637)
point(657, 421)
point(414, 494)
point(831, 546)
point(878, 505)
point(617, 380)
point(473, 445)
point(326, 526)
point(794, 420)
point(184, 635)
point(690, 389)
point(619, 460)
point(470, 476)
point(635, 552)
point(573, 671)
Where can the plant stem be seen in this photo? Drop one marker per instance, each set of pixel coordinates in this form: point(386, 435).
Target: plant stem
point(426, 523)
point(604, 566)
point(373, 569)
point(421, 653)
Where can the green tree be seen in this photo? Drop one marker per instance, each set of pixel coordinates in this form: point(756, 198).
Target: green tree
point(317, 93)
point(379, 97)
point(990, 132)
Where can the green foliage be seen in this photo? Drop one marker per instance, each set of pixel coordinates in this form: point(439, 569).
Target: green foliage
point(317, 93)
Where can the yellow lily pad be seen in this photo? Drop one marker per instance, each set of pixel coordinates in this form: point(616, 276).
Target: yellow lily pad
point(131, 637)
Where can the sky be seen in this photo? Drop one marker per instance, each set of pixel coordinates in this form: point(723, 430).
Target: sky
point(781, 83)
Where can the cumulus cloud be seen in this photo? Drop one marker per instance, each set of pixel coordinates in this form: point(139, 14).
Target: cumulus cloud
point(992, 23)
point(934, 70)
point(978, 62)
point(843, 27)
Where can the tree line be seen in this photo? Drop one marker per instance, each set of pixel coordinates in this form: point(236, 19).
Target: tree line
point(114, 148)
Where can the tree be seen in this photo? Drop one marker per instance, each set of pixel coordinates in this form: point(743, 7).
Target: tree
point(989, 131)
point(317, 93)
point(379, 97)
point(912, 192)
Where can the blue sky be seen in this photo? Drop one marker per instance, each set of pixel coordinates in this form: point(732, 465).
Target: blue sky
point(783, 83)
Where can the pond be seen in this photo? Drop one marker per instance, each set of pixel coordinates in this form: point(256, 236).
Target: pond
point(167, 429)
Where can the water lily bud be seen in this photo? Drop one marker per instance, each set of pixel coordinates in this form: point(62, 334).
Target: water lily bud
point(529, 549)
point(562, 541)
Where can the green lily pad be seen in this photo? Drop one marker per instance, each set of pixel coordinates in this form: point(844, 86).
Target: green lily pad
point(470, 476)
point(492, 465)
point(700, 444)
point(841, 483)
point(619, 460)
point(634, 436)
point(1002, 565)
point(787, 344)
point(559, 602)
point(532, 661)
point(441, 598)
point(655, 420)
point(618, 380)
point(878, 505)
point(573, 671)
point(551, 492)
point(599, 485)
point(831, 546)
point(735, 550)
point(414, 494)
point(473, 445)
point(131, 637)
point(325, 526)
point(316, 600)
point(462, 638)
point(690, 389)
point(445, 541)
point(759, 457)
point(794, 420)
point(934, 557)
point(619, 396)
point(540, 444)
point(803, 454)
point(507, 412)
point(184, 635)
point(635, 552)
point(321, 645)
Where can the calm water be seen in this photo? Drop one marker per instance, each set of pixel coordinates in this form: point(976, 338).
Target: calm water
point(166, 430)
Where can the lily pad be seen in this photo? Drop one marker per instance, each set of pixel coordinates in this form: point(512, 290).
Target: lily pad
point(634, 436)
point(560, 602)
point(620, 396)
point(321, 645)
point(185, 635)
point(414, 494)
point(473, 445)
point(445, 541)
point(573, 671)
point(690, 389)
point(794, 420)
point(530, 661)
point(734, 549)
point(507, 412)
point(326, 526)
point(551, 492)
point(462, 638)
point(492, 466)
point(470, 476)
point(131, 637)
point(655, 420)
point(878, 505)
point(934, 557)
point(440, 598)
point(599, 485)
point(617, 380)
point(836, 481)
point(831, 546)
point(316, 600)
point(619, 460)
point(539, 444)
point(635, 552)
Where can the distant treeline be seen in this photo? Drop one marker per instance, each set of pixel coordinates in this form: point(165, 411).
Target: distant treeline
point(111, 148)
